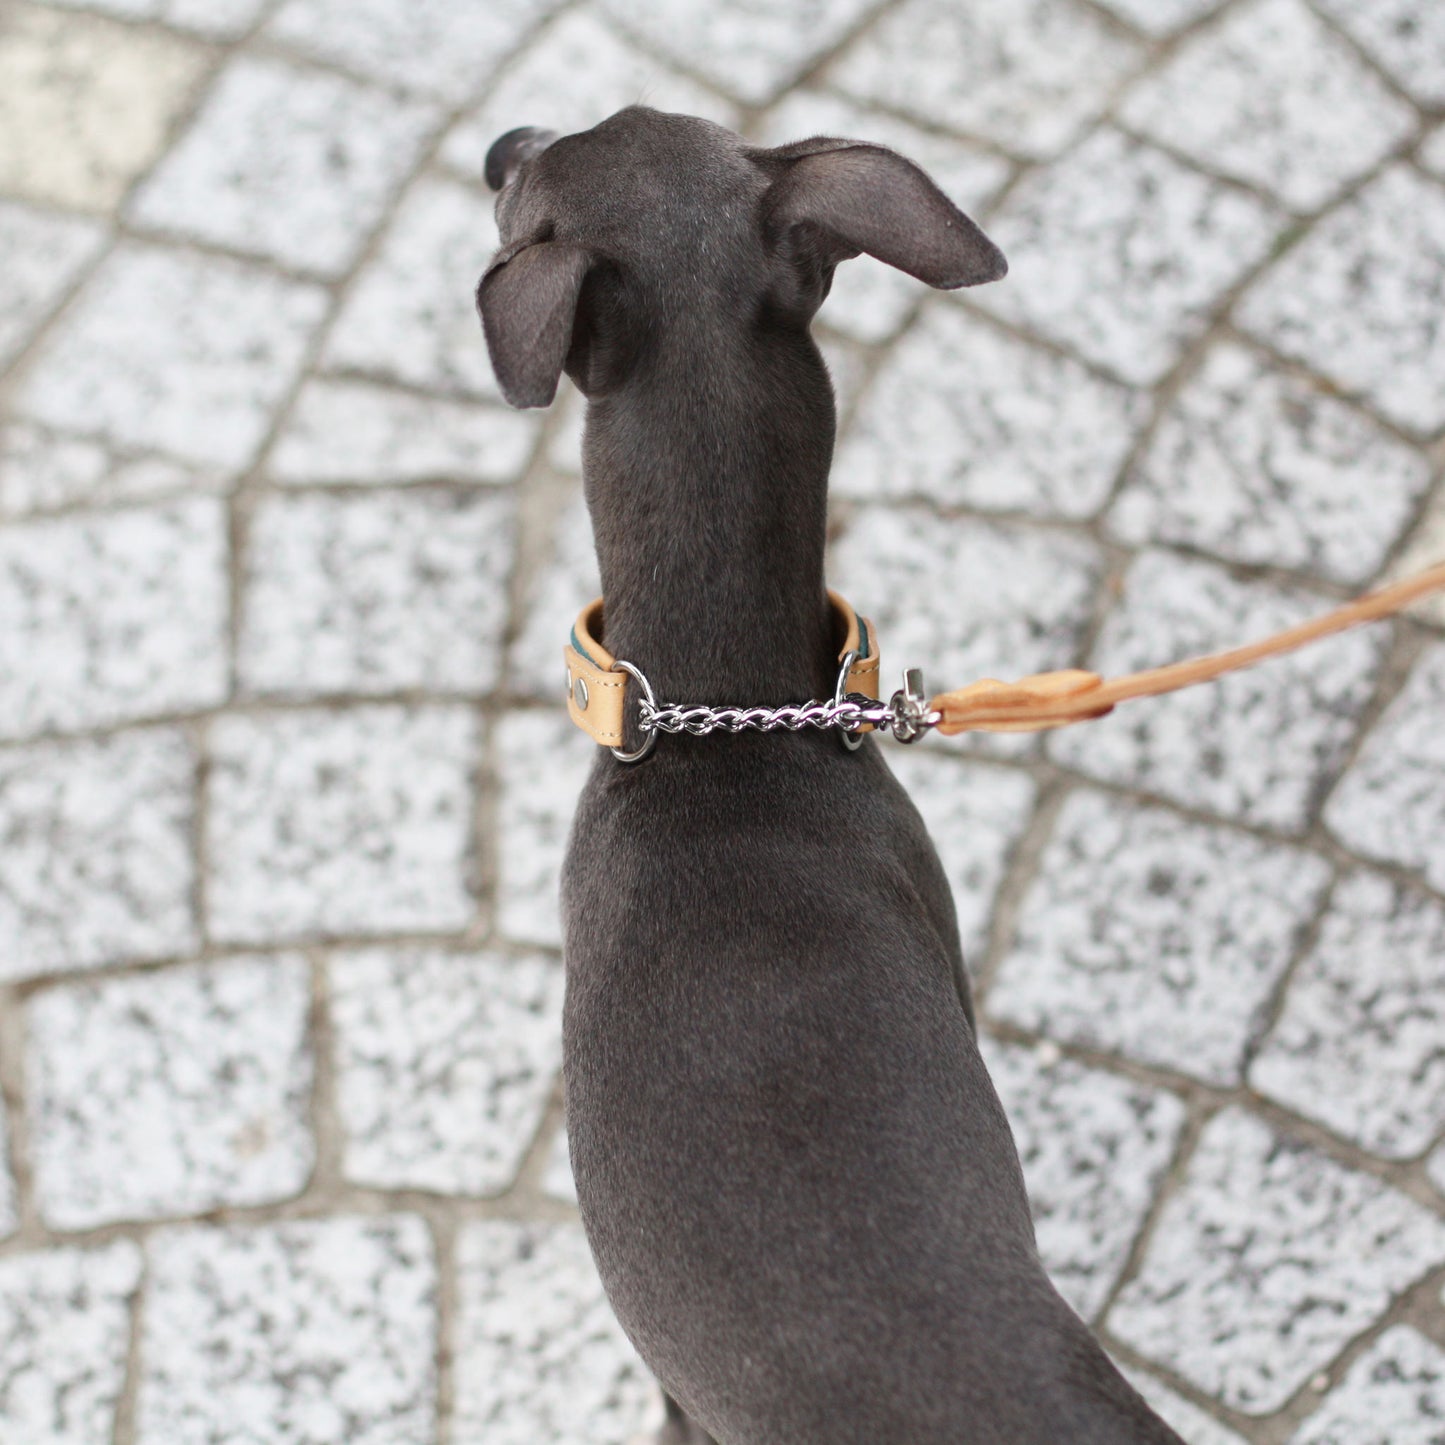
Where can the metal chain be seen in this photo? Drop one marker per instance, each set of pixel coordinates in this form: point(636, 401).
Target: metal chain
point(850, 713)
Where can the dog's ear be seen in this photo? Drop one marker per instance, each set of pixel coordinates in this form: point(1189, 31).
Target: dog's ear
point(527, 299)
point(860, 197)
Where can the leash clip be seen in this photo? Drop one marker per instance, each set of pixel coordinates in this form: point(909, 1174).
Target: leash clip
point(909, 709)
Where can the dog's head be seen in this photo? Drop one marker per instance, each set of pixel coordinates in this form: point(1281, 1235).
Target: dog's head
point(651, 222)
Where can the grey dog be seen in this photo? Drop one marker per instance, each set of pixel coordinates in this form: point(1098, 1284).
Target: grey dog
point(794, 1173)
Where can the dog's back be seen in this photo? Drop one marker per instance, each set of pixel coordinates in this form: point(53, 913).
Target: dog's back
point(795, 1175)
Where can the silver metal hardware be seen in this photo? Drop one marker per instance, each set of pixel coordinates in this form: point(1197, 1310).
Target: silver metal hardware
point(912, 716)
point(906, 714)
point(579, 694)
point(649, 706)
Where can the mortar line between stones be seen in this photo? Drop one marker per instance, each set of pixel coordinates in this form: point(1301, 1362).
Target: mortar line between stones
point(1333, 25)
point(127, 1402)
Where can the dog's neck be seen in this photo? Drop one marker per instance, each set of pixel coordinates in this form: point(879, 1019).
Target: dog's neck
point(706, 477)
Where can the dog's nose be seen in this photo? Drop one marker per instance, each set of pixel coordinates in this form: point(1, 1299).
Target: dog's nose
point(509, 151)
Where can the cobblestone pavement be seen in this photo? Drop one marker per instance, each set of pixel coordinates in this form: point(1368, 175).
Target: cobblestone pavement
point(284, 782)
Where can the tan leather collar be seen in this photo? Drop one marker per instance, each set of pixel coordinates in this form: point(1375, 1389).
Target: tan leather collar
point(597, 690)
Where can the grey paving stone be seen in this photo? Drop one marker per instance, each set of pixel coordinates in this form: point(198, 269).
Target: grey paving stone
point(300, 1333)
point(1188, 1419)
point(539, 1355)
point(43, 471)
point(171, 1093)
point(44, 253)
point(95, 852)
point(112, 618)
point(1425, 548)
point(445, 1064)
point(1155, 937)
point(1391, 803)
point(964, 414)
point(542, 761)
point(576, 72)
point(557, 1180)
point(1273, 97)
point(1359, 299)
point(410, 316)
point(1257, 465)
point(1406, 38)
point(564, 583)
point(751, 48)
point(870, 300)
point(64, 1327)
point(446, 48)
point(964, 599)
point(1357, 1046)
point(1432, 152)
point(349, 432)
point(375, 593)
point(1093, 1148)
point(219, 19)
point(340, 823)
point(977, 813)
point(185, 354)
point(1394, 1394)
point(287, 163)
point(1027, 76)
point(1123, 253)
point(1268, 1260)
point(86, 105)
point(1255, 746)
point(1161, 17)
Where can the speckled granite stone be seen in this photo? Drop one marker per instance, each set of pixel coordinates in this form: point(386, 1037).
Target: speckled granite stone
point(1122, 253)
point(445, 1063)
point(1154, 937)
point(96, 863)
point(544, 761)
point(1025, 75)
point(377, 593)
point(1266, 1262)
point(112, 618)
point(340, 823)
point(963, 414)
point(1406, 38)
point(64, 1331)
point(1357, 1046)
point(1273, 97)
point(1094, 1148)
point(1359, 299)
point(325, 1330)
point(170, 1093)
point(575, 72)
point(1256, 465)
point(1391, 803)
point(539, 1355)
point(750, 47)
point(348, 433)
point(409, 315)
point(44, 254)
point(287, 163)
point(182, 353)
point(1256, 746)
point(1394, 1394)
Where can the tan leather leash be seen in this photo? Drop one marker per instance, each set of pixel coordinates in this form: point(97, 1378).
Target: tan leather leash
point(597, 683)
point(1055, 699)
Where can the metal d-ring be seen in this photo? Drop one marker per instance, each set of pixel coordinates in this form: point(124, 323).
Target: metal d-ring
point(649, 737)
point(851, 740)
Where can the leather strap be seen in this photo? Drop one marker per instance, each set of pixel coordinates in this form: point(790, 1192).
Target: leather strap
point(1055, 699)
point(597, 704)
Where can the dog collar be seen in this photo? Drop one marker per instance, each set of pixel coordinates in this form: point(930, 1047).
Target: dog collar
point(597, 689)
